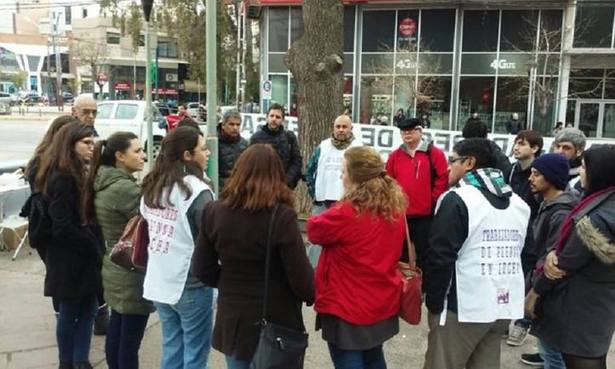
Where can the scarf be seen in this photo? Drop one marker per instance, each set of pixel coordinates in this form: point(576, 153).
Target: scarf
point(489, 179)
point(227, 138)
point(568, 224)
point(342, 144)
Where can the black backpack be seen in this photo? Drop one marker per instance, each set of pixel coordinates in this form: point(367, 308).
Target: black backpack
point(39, 223)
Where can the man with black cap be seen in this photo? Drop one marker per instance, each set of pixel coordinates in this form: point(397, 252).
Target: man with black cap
point(549, 179)
point(421, 170)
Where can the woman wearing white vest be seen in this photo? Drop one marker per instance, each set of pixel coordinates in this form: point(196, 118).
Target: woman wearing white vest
point(473, 277)
point(174, 193)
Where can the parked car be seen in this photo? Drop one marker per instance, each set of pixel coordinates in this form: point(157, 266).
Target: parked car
point(197, 111)
point(6, 101)
point(129, 115)
point(68, 97)
point(31, 98)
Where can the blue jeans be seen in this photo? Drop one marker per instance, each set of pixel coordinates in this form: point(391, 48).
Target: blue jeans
point(552, 358)
point(186, 330)
point(350, 359)
point(232, 363)
point(124, 337)
point(74, 328)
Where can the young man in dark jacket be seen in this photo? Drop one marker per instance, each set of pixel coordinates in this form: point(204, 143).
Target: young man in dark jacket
point(231, 144)
point(284, 142)
point(570, 142)
point(528, 145)
point(549, 179)
point(474, 282)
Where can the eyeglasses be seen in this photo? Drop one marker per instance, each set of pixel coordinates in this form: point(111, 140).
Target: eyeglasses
point(454, 160)
point(89, 111)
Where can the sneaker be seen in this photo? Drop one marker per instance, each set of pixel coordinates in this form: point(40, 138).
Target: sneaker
point(101, 321)
point(532, 360)
point(517, 335)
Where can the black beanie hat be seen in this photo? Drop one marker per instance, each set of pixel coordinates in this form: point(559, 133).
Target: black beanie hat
point(554, 167)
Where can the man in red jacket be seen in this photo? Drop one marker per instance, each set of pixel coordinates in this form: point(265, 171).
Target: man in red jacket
point(421, 169)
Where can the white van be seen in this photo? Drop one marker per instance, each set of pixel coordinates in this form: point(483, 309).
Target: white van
point(129, 116)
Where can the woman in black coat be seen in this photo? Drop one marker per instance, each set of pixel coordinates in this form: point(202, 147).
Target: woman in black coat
point(574, 294)
point(74, 252)
point(231, 253)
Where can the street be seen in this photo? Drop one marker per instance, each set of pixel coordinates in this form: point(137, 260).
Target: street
point(18, 138)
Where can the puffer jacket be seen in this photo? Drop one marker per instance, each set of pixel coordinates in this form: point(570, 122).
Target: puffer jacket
point(285, 144)
point(229, 151)
point(576, 314)
point(116, 200)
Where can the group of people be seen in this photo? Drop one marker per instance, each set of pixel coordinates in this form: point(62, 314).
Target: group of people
point(526, 242)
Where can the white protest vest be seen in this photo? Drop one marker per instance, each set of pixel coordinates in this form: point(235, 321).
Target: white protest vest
point(490, 281)
point(170, 244)
point(329, 184)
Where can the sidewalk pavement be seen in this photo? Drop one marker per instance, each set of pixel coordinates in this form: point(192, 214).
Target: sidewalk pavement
point(27, 330)
point(31, 113)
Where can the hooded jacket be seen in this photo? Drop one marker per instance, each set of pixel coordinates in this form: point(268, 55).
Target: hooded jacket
point(423, 176)
point(116, 200)
point(549, 220)
point(576, 314)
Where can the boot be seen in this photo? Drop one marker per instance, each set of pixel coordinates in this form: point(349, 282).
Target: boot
point(66, 366)
point(101, 321)
point(82, 365)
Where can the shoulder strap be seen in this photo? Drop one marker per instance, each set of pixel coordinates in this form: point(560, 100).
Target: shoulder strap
point(410, 245)
point(267, 263)
point(434, 173)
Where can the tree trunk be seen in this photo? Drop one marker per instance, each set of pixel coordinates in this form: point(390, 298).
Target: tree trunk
point(316, 61)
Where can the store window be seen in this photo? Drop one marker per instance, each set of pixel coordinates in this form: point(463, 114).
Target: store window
point(593, 27)
point(407, 30)
point(349, 19)
point(405, 93)
point(512, 95)
point(376, 99)
point(378, 31)
point(476, 96)
point(296, 24)
point(279, 89)
point(348, 93)
point(437, 30)
point(434, 100)
point(278, 29)
point(480, 30)
point(113, 38)
point(33, 63)
point(550, 37)
point(518, 30)
point(545, 101)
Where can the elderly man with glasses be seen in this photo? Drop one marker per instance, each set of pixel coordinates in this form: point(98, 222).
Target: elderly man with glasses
point(85, 110)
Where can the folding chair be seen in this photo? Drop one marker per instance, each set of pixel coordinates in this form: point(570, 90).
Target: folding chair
point(13, 223)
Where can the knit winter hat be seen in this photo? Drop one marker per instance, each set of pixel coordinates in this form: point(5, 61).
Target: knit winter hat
point(555, 169)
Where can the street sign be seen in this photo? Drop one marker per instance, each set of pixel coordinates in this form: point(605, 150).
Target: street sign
point(153, 72)
point(266, 90)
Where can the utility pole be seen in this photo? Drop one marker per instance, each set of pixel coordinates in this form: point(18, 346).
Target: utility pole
point(212, 136)
point(238, 61)
point(147, 10)
point(56, 51)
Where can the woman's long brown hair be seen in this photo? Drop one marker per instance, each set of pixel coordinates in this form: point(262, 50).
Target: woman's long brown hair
point(257, 181)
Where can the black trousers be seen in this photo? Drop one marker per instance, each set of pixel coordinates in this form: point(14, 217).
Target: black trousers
point(419, 234)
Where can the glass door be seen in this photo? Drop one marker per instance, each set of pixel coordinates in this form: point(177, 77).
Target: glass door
point(586, 117)
point(608, 121)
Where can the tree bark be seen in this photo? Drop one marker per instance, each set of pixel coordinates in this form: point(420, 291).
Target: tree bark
point(316, 62)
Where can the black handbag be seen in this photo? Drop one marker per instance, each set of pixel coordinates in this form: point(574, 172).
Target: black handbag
point(278, 347)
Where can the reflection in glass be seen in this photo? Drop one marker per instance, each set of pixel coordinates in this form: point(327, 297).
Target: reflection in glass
point(437, 29)
point(608, 128)
point(518, 31)
point(348, 93)
point(349, 28)
point(571, 108)
point(378, 30)
point(405, 92)
point(511, 98)
point(480, 30)
point(479, 63)
point(435, 63)
point(278, 29)
point(585, 88)
point(550, 37)
point(434, 100)
point(475, 96)
point(588, 118)
point(377, 63)
point(593, 27)
point(296, 24)
point(376, 99)
point(545, 100)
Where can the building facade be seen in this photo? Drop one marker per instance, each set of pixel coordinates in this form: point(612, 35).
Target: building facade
point(546, 61)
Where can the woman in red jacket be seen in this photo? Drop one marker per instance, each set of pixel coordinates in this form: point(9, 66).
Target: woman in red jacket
point(357, 285)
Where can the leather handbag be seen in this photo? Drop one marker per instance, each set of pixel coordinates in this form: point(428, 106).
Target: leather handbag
point(278, 347)
point(130, 251)
point(412, 279)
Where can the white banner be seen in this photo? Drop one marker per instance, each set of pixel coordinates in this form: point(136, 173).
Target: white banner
point(387, 138)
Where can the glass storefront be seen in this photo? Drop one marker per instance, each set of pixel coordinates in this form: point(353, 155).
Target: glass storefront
point(450, 63)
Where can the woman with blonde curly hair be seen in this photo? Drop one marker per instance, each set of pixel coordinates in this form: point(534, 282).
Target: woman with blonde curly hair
point(357, 285)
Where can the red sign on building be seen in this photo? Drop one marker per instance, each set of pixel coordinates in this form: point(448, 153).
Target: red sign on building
point(122, 86)
point(407, 27)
